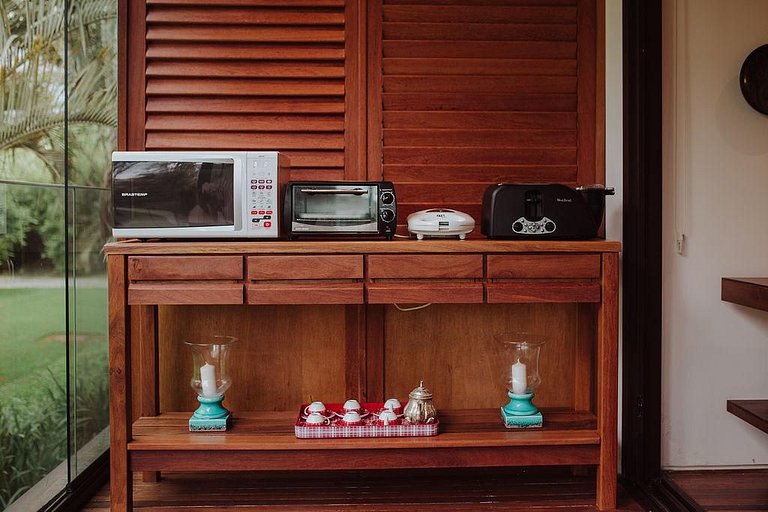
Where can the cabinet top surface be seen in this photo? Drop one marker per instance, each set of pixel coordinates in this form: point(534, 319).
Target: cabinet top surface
point(192, 247)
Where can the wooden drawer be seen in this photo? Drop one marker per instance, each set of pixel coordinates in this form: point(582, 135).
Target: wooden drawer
point(305, 292)
point(425, 266)
point(189, 292)
point(305, 267)
point(555, 291)
point(184, 268)
point(440, 292)
point(543, 266)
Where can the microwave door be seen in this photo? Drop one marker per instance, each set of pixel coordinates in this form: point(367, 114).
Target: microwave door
point(173, 194)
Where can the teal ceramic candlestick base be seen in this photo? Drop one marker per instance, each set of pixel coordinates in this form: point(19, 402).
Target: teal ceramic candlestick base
point(211, 416)
point(520, 412)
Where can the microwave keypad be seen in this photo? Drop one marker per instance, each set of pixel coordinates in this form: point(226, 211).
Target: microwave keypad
point(262, 195)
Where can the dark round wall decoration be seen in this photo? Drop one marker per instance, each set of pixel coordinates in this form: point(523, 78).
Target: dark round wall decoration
point(754, 79)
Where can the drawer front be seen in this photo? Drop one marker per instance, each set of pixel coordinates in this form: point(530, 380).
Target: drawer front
point(543, 266)
point(576, 291)
point(305, 267)
point(435, 292)
point(305, 293)
point(181, 268)
point(425, 266)
point(185, 293)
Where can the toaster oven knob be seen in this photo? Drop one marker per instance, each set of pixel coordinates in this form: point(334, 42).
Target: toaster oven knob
point(549, 226)
point(387, 197)
point(517, 227)
point(387, 215)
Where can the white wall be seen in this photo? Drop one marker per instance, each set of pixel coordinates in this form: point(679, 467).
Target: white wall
point(716, 192)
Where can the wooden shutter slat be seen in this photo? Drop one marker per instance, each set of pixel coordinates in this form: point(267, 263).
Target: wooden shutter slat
point(245, 69)
point(244, 16)
point(481, 49)
point(499, 138)
point(480, 120)
point(486, 3)
point(458, 175)
point(239, 87)
point(479, 14)
point(475, 67)
point(243, 104)
point(479, 32)
point(244, 34)
point(254, 51)
point(260, 3)
point(479, 156)
point(481, 84)
point(229, 122)
point(504, 102)
point(255, 140)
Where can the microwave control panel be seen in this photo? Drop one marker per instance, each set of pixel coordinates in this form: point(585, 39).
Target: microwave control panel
point(262, 186)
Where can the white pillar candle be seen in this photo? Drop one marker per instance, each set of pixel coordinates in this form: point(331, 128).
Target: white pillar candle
point(208, 380)
point(519, 378)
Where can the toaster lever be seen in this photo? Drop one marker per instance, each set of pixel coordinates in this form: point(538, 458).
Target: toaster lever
point(533, 205)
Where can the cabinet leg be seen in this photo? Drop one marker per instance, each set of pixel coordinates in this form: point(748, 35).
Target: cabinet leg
point(607, 383)
point(121, 479)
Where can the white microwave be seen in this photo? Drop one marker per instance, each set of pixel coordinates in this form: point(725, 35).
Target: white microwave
point(197, 194)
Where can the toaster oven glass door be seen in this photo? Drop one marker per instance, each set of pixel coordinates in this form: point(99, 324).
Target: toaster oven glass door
point(335, 208)
point(173, 194)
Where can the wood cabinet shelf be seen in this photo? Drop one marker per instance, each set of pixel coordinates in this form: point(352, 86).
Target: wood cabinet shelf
point(746, 291)
point(266, 440)
point(573, 283)
point(754, 412)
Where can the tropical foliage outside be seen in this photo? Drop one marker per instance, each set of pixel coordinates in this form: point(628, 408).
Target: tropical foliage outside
point(33, 81)
point(57, 63)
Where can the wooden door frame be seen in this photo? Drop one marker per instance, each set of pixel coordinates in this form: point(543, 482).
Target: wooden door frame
point(642, 260)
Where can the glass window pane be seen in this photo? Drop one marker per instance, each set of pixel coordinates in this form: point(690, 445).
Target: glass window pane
point(91, 138)
point(33, 338)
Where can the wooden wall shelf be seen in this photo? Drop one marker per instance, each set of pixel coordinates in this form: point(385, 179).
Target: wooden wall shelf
point(754, 412)
point(746, 291)
point(751, 292)
point(360, 274)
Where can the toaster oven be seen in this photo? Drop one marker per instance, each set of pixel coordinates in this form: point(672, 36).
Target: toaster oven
point(367, 208)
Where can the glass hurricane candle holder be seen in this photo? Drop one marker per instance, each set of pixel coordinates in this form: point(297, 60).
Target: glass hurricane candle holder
point(210, 379)
point(522, 378)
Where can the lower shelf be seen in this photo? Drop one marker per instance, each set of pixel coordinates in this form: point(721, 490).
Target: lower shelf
point(754, 412)
point(266, 441)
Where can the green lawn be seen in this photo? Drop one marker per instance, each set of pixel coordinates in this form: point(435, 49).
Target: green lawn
point(32, 328)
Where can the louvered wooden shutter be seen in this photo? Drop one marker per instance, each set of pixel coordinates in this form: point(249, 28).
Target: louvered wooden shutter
point(481, 92)
point(246, 74)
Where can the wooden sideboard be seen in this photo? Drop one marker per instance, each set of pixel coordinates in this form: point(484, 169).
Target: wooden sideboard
point(361, 276)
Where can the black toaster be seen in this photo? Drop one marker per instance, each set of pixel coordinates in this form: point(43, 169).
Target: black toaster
point(543, 211)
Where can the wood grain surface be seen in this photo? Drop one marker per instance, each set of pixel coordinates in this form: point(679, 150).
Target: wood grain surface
point(739, 489)
point(754, 412)
point(252, 75)
point(746, 291)
point(454, 350)
point(353, 246)
point(461, 490)
point(447, 70)
point(285, 354)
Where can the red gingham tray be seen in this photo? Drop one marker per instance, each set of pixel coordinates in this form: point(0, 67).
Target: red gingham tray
point(368, 429)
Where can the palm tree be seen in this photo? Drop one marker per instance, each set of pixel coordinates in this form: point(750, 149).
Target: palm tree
point(33, 77)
